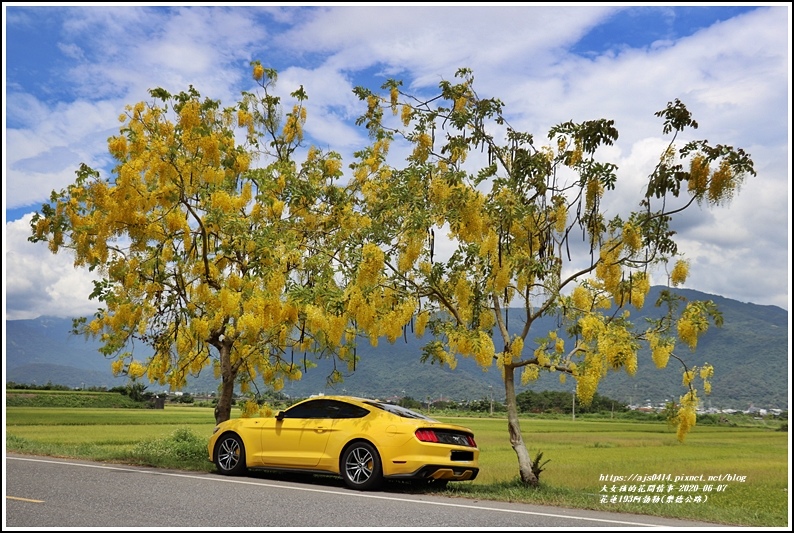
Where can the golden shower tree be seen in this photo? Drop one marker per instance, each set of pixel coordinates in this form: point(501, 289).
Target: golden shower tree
point(206, 259)
point(525, 228)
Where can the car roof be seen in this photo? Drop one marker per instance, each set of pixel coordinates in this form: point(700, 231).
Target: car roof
point(392, 408)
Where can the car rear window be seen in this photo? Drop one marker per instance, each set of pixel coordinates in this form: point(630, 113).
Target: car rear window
point(400, 411)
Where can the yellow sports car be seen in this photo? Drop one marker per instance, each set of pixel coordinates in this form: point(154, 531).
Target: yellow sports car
point(363, 441)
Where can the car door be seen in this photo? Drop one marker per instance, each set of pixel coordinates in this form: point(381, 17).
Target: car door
point(298, 440)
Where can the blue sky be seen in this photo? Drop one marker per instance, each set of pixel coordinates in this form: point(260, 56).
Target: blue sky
point(69, 70)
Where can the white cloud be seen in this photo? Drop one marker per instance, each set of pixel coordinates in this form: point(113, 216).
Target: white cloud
point(733, 76)
point(40, 283)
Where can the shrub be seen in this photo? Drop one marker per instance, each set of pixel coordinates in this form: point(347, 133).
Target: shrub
point(181, 448)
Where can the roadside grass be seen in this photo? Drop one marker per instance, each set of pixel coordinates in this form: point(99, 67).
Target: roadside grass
point(590, 461)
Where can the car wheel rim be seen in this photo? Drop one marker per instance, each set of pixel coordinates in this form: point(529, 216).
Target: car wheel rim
point(360, 464)
point(229, 454)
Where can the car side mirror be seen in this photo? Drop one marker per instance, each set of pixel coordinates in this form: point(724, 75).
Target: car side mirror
point(280, 416)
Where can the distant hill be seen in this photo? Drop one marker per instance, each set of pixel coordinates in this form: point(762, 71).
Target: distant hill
point(749, 353)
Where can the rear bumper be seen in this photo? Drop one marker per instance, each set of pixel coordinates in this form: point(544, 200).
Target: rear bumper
point(445, 472)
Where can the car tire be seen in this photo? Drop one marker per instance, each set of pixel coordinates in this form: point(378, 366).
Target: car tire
point(361, 466)
point(230, 455)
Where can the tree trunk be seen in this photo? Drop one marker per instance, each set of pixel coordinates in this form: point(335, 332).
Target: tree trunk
point(528, 477)
point(223, 411)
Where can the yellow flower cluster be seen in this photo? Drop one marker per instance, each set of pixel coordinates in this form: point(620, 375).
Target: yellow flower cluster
point(660, 349)
point(117, 367)
point(680, 273)
point(687, 332)
point(472, 214)
point(460, 103)
point(249, 324)
point(516, 348)
point(293, 127)
point(405, 115)
point(289, 313)
point(390, 326)
point(502, 277)
point(640, 286)
point(457, 154)
point(592, 325)
point(487, 319)
point(410, 251)
point(175, 221)
point(439, 354)
point(691, 324)
point(394, 94)
point(249, 409)
point(421, 323)
point(477, 344)
point(632, 238)
point(581, 298)
point(158, 366)
point(489, 244)
point(184, 344)
point(722, 184)
point(276, 209)
point(559, 346)
point(576, 155)
point(259, 71)
point(315, 319)
point(118, 147)
point(360, 309)
point(608, 269)
point(332, 166)
point(541, 355)
point(530, 373)
point(687, 414)
point(242, 162)
point(229, 301)
point(586, 386)
point(136, 370)
point(698, 174)
point(439, 191)
point(562, 143)
point(222, 201)
point(484, 349)
point(617, 348)
point(424, 143)
point(189, 115)
point(462, 292)
point(244, 118)
point(559, 216)
point(594, 191)
point(369, 271)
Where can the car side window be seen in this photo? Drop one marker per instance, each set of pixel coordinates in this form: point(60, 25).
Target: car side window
point(325, 409)
point(348, 410)
point(310, 409)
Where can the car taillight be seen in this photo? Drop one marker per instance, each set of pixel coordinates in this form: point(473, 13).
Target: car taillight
point(426, 435)
point(446, 437)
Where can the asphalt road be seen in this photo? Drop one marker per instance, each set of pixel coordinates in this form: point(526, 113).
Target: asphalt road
point(43, 492)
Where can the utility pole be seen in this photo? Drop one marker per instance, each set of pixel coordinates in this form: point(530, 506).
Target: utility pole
point(573, 405)
point(491, 388)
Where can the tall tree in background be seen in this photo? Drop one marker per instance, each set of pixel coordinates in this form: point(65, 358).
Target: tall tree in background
point(205, 260)
point(527, 229)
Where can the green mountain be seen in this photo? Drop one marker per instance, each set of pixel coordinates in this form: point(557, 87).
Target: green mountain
point(749, 353)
